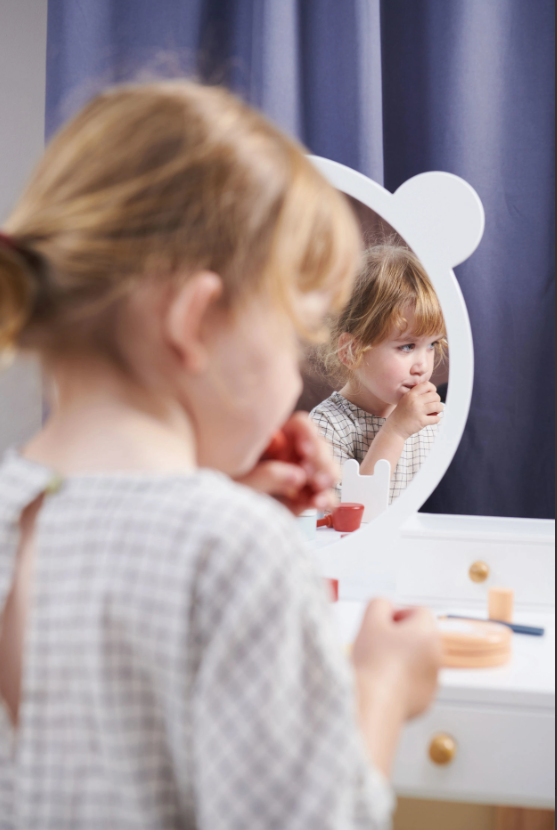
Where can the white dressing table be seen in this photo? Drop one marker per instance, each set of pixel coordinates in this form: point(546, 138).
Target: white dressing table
point(501, 721)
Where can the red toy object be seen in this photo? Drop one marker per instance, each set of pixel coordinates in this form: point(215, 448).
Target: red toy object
point(346, 518)
point(280, 449)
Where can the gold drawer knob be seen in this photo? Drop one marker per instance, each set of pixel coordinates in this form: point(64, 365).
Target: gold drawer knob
point(442, 750)
point(479, 572)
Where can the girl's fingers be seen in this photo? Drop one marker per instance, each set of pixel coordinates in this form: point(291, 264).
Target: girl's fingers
point(325, 501)
point(326, 468)
point(324, 479)
point(424, 388)
point(302, 432)
point(308, 442)
point(378, 615)
point(304, 500)
point(306, 481)
point(276, 478)
point(304, 438)
point(315, 454)
point(430, 397)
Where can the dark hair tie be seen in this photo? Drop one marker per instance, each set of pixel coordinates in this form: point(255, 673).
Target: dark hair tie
point(8, 241)
point(37, 266)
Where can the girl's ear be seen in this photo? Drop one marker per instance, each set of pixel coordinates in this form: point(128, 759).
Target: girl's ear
point(346, 349)
point(185, 316)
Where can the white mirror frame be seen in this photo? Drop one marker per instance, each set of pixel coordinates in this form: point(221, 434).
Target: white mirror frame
point(441, 218)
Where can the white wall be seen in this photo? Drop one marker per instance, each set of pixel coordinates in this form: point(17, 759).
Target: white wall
point(22, 104)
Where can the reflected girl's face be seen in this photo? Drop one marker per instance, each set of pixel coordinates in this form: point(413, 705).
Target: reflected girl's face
point(394, 366)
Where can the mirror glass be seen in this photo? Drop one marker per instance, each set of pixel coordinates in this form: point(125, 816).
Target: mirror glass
point(389, 342)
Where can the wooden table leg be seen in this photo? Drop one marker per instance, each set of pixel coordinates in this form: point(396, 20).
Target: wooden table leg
point(513, 818)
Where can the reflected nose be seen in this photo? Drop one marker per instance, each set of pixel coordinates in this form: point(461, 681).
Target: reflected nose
point(419, 366)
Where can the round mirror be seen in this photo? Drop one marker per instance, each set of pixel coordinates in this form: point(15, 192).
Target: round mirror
point(440, 218)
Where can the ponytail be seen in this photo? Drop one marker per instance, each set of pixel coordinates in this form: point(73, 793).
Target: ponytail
point(18, 290)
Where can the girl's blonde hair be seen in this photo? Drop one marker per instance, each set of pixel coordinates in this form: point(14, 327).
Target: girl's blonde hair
point(391, 283)
point(163, 180)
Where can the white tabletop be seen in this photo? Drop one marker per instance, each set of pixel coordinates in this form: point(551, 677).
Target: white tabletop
point(527, 681)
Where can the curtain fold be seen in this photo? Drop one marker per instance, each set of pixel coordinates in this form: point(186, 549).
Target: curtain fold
point(391, 88)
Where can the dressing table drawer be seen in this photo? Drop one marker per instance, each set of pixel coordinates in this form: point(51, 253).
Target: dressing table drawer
point(449, 559)
point(501, 756)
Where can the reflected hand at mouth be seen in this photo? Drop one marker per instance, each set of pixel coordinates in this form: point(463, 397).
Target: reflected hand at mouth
point(419, 406)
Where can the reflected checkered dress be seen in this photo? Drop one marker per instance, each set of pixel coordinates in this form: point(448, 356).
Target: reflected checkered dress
point(180, 667)
point(350, 430)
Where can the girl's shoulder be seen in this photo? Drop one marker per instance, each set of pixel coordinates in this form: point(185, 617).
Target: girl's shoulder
point(198, 510)
point(158, 548)
point(333, 406)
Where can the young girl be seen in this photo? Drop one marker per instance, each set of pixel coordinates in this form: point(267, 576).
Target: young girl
point(384, 347)
point(166, 657)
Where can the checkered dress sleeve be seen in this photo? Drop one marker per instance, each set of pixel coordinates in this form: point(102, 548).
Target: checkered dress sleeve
point(275, 738)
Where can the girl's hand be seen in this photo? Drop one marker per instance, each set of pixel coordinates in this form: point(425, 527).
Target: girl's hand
point(403, 645)
point(397, 657)
point(417, 408)
point(298, 468)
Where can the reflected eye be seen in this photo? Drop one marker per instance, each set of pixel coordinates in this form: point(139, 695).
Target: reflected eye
point(407, 348)
point(434, 344)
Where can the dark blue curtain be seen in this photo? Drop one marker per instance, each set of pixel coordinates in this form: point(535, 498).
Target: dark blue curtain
point(314, 66)
point(468, 87)
point(391, 88)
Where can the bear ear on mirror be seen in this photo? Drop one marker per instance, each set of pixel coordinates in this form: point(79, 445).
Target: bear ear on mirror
point(443, 213)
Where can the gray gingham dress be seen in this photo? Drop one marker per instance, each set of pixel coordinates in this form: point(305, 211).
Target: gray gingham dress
point(350, 431)
point(180, 666)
